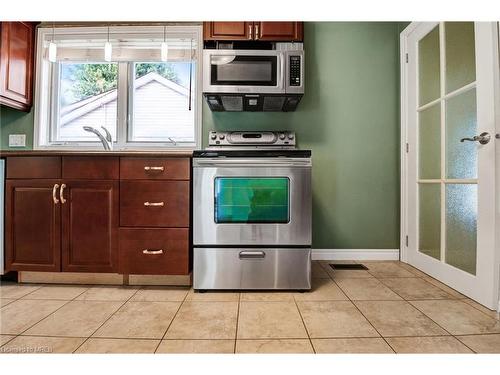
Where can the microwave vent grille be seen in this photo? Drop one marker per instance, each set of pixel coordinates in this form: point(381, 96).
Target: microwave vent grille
point(273, 103)
point(232, 103)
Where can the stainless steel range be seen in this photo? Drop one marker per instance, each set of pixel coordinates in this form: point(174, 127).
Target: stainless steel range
point(252, 212)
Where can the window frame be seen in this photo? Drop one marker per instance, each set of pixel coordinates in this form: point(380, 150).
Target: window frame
point(46, 93)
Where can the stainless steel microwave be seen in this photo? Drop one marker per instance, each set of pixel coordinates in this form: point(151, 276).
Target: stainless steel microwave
point(253, 80)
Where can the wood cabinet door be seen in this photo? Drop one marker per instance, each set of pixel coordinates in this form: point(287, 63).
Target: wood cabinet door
point(227, 30)
point(279, 31)
point(90, 226)
point(16, 64)
point(32, 226)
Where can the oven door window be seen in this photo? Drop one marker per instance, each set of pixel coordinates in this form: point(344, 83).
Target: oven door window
point(252, 200)
point(244, 70)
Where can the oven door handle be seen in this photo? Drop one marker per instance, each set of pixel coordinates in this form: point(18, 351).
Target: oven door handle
point(252, 254)
point(250, 163)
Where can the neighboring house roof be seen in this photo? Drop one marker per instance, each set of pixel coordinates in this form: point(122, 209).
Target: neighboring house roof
point(82, 107)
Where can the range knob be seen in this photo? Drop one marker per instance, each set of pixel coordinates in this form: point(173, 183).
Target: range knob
point(213, 136)
point(222, 136)
point(290, 136)
point(282, 136)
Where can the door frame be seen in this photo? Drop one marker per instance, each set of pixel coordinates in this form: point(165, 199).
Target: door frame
point(494, 71)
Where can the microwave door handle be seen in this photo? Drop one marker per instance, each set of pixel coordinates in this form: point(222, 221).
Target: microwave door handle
point(282, 71)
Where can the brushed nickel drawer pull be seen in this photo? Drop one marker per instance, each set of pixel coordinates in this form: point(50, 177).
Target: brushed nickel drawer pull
point(154, 204)
point(61, 193)
point(148, 168)
point(152, 252)
point(54, 196)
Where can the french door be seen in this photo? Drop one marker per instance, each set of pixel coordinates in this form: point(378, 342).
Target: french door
point(450, 212)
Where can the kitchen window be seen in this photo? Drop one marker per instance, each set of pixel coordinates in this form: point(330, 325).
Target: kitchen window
point(147, 96)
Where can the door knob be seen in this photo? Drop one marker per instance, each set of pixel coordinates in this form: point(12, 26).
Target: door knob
point(482, 138)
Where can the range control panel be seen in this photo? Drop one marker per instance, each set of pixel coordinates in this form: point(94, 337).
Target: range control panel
point(294, 70)
point(241, 139)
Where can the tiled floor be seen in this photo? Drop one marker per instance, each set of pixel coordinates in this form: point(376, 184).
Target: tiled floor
point(389, 308)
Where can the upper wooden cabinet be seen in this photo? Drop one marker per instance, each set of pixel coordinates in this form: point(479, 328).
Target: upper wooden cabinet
point(266, 31)
point(17, 43)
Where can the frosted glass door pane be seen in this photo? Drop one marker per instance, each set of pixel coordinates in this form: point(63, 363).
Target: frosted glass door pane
point(460, 54)
point(461, 122)
point(429, 141)
point(430, 220)
point(428, 67)
point(461, 226)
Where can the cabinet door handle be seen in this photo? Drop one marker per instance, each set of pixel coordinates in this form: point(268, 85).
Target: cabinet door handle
point(152, 252)
point(250, 31)
point(148, 168)
point(54, 194)
point(154, 204)
point(257, 36)
point(61, 193)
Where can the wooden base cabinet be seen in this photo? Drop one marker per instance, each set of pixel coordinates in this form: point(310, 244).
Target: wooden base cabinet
point(90, 226)
point(32, 226)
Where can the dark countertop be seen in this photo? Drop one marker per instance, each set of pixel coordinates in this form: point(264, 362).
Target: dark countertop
point(157, 153)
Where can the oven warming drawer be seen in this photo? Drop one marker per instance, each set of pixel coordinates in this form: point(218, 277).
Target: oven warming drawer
point(252, 268)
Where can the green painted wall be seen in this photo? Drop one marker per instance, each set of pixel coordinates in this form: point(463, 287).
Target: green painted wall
point(15, 122)
point(349, 118)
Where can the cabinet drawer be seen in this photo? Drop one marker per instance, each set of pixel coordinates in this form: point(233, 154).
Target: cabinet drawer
point(154, 203)
point(34, 167)
point(91, 167)
point(154, 251)
point(154, 168)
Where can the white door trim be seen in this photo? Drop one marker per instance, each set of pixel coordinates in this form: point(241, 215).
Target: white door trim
point(490, 43)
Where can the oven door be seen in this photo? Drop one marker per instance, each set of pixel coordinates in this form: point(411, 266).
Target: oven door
point(243, 71)
point(261, 201)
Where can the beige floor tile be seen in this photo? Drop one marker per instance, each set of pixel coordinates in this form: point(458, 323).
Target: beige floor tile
point(423, 345)
point(5, 301)
point(444, 287)
point(204, 320)
point(491, 313)
point(4, 339)
point(196, 346)
point(457, 317)
point(262, 320)
point(41, 345)
point(289, 346)
point(75, 319)
point(366, 290)
point(482, 343)
point(14, 290)
point(412, 269)
point(329, 319)
point(62, 292)
point(160, 294)
point(352, 345)
point(267, 296)
point(108, 293)
point(318, 271)
point(141, 320)
point(22, 314)
point(344, 274)
point(213, 296)
point(398, 318)
point(387, 269)
point(322, 290)
point(415, 288)
point(102, 346)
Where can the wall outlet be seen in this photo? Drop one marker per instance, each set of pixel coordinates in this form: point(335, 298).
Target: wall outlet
point(17, 140)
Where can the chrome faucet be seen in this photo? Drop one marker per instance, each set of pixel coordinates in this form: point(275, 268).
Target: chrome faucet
point(107, 141)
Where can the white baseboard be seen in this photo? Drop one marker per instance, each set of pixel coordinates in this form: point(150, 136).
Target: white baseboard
point(355, 254)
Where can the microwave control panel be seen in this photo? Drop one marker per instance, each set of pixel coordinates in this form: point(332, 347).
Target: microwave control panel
point(294, 70)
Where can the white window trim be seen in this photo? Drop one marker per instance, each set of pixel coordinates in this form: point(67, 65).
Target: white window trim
point(43, 104)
